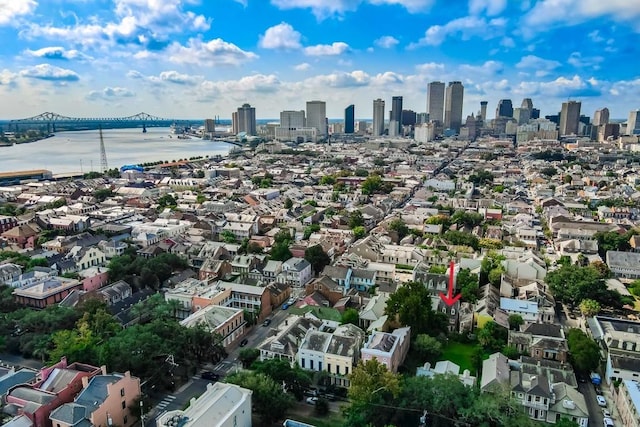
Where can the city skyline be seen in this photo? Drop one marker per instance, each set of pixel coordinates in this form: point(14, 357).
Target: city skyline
point(193, 59)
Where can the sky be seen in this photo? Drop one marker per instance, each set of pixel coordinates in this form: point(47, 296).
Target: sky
point(200, 59)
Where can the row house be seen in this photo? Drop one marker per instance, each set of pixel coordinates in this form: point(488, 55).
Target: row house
point(333, 350)
point(389, 349)
point(541, 342)
point(227, 322)
point(285, 343)
point(296, 272)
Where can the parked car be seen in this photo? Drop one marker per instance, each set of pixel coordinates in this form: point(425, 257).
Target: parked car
point(606, 413)
point(208, 375)
point(244, 342)
point(608, 422)
point(601, 400)
point(311, 400)
point(266, 322)
point(285, 306)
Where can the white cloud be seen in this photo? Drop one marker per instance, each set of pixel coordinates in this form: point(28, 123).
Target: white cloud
point(542, 67)
point(58, 52)
point(339, 80)
point(489, 7)
point(10, 10)
point(386, 42)
point(507, 42)
point(242, 2)
point(336, 48)
point(7, 77)
point(212, 53)
point(254, 84)
point(465, 28)
point(110, 93)
point(595, 36)
point(302, 67)
point(50, 73)
point(577, 60)
point(281, 36)
point(488, 68)
point(178, 78)
point(327, 8)
point(549, 13)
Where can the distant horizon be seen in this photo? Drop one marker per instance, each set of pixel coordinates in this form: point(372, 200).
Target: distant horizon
point(185, 58)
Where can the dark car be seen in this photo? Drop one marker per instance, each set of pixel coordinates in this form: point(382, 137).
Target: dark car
point(208, 375)
point(244, 342)
point(267, 322)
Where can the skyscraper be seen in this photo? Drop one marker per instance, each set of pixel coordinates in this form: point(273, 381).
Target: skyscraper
point(409, 118)
point(317, 116)
point(378, 117)
point(246, 118)
point(570, 117)
point(483, 110)
point(601, 117)
point(453, 106)
point(435, 101)
point(505, 108)
point(395, 120)
point(349, 119)
point(292, 119)
point(633, 124)
point(527, 103)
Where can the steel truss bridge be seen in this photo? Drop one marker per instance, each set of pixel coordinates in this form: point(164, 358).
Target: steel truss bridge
point(52, 122)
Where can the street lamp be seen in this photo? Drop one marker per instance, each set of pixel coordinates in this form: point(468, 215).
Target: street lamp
point(141, 413)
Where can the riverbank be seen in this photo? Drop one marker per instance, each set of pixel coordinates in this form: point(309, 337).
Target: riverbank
point(10, 142)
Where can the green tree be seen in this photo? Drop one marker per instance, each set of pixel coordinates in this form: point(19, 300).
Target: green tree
point(549, 171)
point(427, 347)
point(350, 315)
point(248, 355)
point(288, 203)
point(462, 239)
point(584, 352)
point(102, 194)
point(295, 379)
point(309, 230)
point(268, 400)
point(572, 284)
point(481, 177)
point(356, 219)
point(492, 337)
point(399, 226)
point(328, 180)
point(359, 232)
point(411, 303)
point(515, 321)
point(468, 285)
point(372, 184)
point(228, 237)
point(371, 377)
point(589, 307)
point(317, 257)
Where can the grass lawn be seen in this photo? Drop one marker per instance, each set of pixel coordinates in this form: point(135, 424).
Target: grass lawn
point(460, 354)
point(320, 312)
point(330, 420)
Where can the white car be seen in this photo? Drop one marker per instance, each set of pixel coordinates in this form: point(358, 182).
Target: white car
point(601, 400)
point(606, 413)
point(312, 400)
point(608, 422)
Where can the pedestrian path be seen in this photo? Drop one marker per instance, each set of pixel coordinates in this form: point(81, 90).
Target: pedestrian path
point(165, 402)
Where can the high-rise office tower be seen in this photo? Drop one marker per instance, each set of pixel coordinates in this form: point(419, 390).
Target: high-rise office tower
point(535, 113)
point(454, 97)
point(409, 118)
point(292, 119)
point(234, 123)
point(378, 117)
point(349, 119)
point(505, 108)
point(246, 118)
point(317, 116)
point(527, 103)
point(601, 117)
point(570, 117)
point(395, 120)
point(483, 110)
point(209, 125)
point(633, 124)
point(435, 101)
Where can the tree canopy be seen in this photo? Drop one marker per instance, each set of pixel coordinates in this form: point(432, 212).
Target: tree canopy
point(584, 352)
point(412, 304)
point(572, 284)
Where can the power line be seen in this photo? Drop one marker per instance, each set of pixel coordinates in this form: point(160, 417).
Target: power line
point(422, 411)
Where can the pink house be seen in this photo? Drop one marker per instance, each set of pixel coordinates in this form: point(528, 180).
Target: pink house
point(57, 385)
point(104, 400)
point(93, 278)
point(389, 349)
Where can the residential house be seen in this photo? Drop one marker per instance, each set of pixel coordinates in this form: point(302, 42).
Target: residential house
point(227, 322)
point(221, 405)
point(620, 339)
point(7, 223)
point(22, 236)
point(534, 392)
point(446, 367)
point(285, 343)
point(9, 272)
point(45, 292)
point(106, 399)
point(57, 384)
point(626, 399)
point(624, 264)
point(85, 257)
point(526, 309)
point(541, 341)
point(296, 272)
point(389, 349)
point(335, 350)
point(372, 315)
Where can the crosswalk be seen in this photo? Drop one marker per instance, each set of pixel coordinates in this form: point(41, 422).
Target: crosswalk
point(165, 402)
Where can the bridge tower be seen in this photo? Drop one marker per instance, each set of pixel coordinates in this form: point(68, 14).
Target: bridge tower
point(144, 128)
point(103, 154)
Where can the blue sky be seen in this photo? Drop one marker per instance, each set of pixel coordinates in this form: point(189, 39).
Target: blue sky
point(190, 58)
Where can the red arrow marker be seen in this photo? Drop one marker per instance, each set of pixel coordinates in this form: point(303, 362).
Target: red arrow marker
point(449, 298)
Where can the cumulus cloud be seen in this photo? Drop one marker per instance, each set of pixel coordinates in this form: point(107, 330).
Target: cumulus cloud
point(255, 84)
point(577, 60)
point(465, 28)
point(386, 42)
point(110, 93)
point(10, 10)
point(324, 9)
point(7, 77)
point(488, 68)
point(304, 66)
point(339, 80)
point(336, 48)
point(281, 36)
point(178, 78)
point(488, 7)
point(50, 73)
point(541, 66)
point(211, 53)
point(58, 52)
point(575, 86)
point(547, 14)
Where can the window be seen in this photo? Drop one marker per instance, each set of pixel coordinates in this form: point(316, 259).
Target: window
point(302, 362)
point(124, 405)
point(329, 367)
point(311, 364)
point(125, 419)
point(346, 370)
point(338, 369)
point(122, 392)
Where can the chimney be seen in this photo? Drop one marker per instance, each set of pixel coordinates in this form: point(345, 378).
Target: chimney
point(85, 382)
point(103, 370)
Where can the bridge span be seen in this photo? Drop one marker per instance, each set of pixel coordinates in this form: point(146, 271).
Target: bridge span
point(53, 122)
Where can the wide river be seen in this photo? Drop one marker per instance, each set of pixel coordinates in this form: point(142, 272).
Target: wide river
point(80, 151)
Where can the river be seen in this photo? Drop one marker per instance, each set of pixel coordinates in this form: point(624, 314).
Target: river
point(80, 151)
